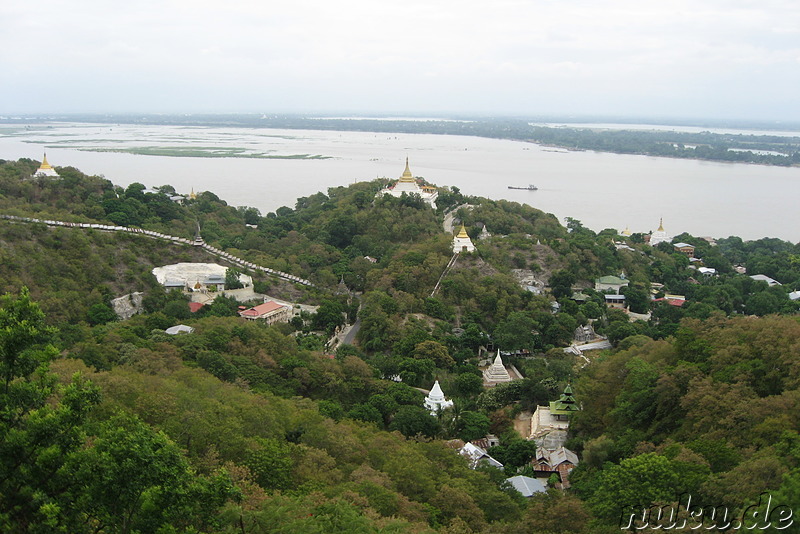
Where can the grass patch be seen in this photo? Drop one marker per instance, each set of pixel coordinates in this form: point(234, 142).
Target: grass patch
point(203, 152)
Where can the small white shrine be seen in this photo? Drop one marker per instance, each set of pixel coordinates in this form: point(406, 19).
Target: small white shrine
point(462, 242)
point(435, 400)
point(496, 372)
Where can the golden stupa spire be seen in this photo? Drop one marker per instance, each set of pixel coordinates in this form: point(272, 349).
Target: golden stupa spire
point(407, 177)
point(661, 224)
point(463, 232)
point(193, 195)
point(45, 165)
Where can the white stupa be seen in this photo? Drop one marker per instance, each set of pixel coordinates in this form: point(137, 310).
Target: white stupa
point(496, 372)
point(462, 242)
point(435, 400)
point(408, 185)
point(659, 236)
point(45, 169)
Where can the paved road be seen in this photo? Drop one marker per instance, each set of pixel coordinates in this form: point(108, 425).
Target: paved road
point(350, 336)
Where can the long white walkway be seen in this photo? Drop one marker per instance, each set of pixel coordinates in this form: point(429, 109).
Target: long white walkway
point(164, 237)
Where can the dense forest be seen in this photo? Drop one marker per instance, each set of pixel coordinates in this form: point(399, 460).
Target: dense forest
point(742, 148)
point(115, 426)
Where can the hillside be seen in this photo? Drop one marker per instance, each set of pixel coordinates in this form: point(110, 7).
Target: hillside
point(244, 427)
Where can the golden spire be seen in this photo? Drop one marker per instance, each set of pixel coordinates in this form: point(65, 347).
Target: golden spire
point(193, 195)
point(463, 232)
point(45, 165)
point(661, 224)
point(407, 177)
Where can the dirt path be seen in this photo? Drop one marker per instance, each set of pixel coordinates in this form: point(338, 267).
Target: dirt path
point(522, 424)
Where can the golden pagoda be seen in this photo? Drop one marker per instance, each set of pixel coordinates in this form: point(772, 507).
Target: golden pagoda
point(407, 177)
point(462, 242)
point(409, 186)
point(45, 169)
point(660, 235)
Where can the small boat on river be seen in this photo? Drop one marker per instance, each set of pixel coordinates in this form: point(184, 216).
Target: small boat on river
point(531, 187)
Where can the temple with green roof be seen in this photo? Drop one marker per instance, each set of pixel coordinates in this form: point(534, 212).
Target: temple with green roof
point(549, 424)
point(565, 406)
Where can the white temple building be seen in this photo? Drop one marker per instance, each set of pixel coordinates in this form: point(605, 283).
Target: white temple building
point(484, 233)
point(45, 169)
point(408, 185)
point(435, 400)
point(195, 276)
point(496, 373)
point(659, 236)
point(462, 242)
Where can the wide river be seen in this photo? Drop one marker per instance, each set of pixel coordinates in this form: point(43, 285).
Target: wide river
point(601, 190)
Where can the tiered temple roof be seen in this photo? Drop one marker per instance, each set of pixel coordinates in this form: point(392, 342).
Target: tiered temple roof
point(496, 372)
point(565, 405)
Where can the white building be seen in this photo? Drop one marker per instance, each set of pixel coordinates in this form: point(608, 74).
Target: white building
point(45, 169)
point(477, 456)
point(195, 276)
point(462, 242)
point(408, 185)
point(270, 312)
point(527, 486)
point(764, 278)
point(496, 373)
point(435, 400)
point(660, 235)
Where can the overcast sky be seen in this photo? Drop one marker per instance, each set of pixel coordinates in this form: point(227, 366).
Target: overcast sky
point(731, 59)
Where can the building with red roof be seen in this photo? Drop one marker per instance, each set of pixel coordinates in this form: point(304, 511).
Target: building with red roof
point(270, 311)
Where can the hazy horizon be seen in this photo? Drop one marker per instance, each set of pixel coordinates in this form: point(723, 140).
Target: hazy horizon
point(633, 122)
point(706, 60)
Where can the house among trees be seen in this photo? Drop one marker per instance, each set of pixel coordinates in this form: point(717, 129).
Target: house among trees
point(613, 283)
point(560, 460)
point(179, 329)
point(615, 301)
point(684, 248)
point(764, 278)
point(478, 456)
point(527, 486)
point(270, 312)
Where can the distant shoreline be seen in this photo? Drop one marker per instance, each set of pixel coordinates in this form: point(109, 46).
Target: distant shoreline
point(759, 147)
